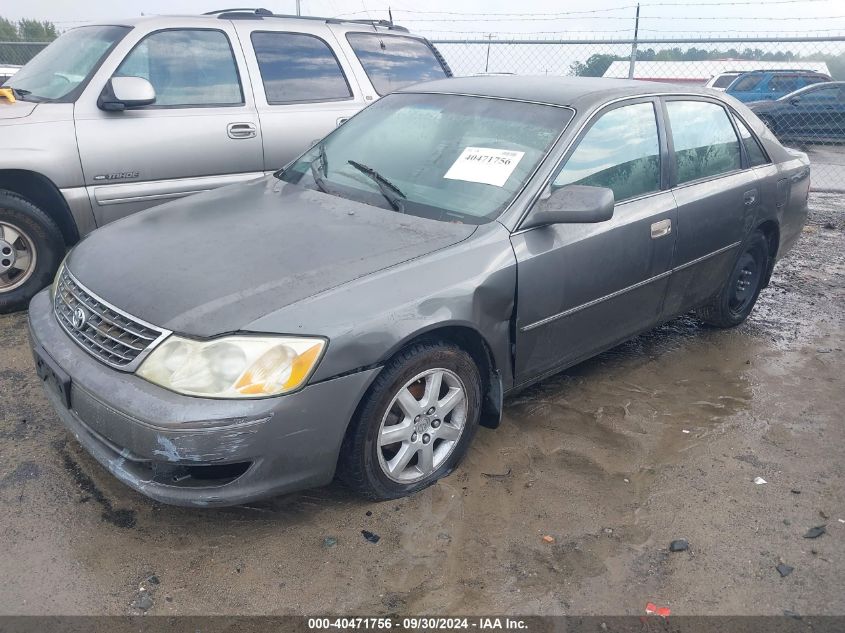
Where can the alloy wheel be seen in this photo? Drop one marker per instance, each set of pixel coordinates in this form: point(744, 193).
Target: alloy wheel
point(17, 257)
point(422, 425)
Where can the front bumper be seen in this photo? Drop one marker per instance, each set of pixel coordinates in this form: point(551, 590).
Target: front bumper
point(191, 451)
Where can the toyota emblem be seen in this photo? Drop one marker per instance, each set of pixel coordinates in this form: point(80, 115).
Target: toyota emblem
point(79, 318)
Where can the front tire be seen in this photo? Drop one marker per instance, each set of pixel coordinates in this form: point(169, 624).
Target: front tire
point(415, 424)
point(735, 301)
point(31, 247)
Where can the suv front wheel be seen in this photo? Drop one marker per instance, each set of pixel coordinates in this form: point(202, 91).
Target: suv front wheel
point(31, 247)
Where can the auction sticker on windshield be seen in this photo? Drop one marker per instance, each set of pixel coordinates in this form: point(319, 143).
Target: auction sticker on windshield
point(485, 165)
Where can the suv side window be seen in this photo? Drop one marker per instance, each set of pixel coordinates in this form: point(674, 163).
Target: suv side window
point(744, 84)
point(756, 155)
point(706, 144)
point(394, 61)
point(785, 83)
point(187, 67)
point(296, 67)
point(620, 151)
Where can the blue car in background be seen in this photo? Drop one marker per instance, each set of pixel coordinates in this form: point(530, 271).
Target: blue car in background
point(766, 85)
point(813, 114)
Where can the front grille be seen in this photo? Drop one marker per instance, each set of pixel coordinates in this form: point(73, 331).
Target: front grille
point(102, 330)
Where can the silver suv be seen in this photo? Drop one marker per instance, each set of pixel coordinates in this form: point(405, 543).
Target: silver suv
point(114, 118)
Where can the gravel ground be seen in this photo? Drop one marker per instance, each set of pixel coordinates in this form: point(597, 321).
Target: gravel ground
point(656, 440)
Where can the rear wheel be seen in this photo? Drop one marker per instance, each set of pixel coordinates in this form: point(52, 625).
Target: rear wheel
point(31, 247)
point(416, 423)
point(735, 301)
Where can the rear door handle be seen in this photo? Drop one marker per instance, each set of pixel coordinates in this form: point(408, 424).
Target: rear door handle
point(241, 130)
point(661, 229)
point(749, 198)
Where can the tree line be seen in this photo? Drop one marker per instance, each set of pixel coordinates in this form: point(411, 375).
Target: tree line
point(597, 64)
point(27, 31)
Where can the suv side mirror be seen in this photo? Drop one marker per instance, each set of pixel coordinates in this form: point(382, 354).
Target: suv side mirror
point(572, 204)
point(121, 93)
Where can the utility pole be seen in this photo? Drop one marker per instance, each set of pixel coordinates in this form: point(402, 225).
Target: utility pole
point(489, 37)
point(299, 12)
point(634, 45)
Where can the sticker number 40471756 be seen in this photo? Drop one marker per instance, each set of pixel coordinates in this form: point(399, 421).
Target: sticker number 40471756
point(484, 165)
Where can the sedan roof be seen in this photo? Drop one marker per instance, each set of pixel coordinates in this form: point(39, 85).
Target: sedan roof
point(562, 91)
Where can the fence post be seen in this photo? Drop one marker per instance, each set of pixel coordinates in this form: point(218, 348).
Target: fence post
point(633, 61)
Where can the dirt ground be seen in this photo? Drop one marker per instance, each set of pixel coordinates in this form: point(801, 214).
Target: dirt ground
point(656, 440)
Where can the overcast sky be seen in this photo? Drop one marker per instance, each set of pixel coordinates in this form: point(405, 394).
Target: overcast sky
point(611, 18)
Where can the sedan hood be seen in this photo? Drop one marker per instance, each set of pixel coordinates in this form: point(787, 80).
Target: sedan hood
point(16, 110)
point(214, 262)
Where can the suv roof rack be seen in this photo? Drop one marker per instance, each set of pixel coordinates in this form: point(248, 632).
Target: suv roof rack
point(252, 13)
point(779, 70)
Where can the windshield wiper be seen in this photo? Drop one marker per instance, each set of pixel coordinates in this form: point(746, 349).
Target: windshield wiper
point(319, 175)
point(391, 192)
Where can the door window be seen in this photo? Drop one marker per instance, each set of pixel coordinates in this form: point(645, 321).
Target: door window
point(394, 61)
point(296, 67)
point(620, 151)
point(705, 142)
point(746, 83)
point(785, 83)
point(756, 156)
point(822, 95)
point(187, 67)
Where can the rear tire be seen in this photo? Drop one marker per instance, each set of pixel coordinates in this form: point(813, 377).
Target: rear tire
point(737, 297)
point(31, 247)
point(405, 436)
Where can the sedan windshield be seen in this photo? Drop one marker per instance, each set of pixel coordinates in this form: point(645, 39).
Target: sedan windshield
point(61, 67)
point(446, 157)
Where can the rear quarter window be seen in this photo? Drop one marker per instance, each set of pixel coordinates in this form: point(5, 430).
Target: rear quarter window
point(394, 61)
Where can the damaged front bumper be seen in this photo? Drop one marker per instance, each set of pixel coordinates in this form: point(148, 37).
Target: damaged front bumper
point(192, 451)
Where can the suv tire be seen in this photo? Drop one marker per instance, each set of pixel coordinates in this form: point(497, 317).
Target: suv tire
point(31, 247)
point(432, 432)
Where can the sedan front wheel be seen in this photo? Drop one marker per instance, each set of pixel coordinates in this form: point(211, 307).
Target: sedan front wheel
point(416, 423)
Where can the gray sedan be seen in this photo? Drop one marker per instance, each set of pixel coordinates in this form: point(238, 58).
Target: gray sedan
point(366, 309)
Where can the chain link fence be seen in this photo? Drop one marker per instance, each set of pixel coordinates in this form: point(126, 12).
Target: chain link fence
point(812, 120)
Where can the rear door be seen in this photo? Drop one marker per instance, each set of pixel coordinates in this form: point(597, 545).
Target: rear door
point(303, 87)
point(717, 196)
point(202, 131)
point(584, 287)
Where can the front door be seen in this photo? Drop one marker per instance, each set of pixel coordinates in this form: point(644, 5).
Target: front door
point(202, 131)
point(583, 287)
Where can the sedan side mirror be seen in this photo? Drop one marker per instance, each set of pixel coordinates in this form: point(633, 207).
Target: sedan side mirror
point(572, 204)
point(121, 93)
point(795, 101)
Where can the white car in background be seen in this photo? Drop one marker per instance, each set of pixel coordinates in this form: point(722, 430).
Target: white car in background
point(723, 80)
point(7, 71)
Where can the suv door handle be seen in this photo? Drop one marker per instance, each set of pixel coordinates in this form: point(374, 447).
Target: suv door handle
point(661, 229)
point(241, 130)
point(749, 198)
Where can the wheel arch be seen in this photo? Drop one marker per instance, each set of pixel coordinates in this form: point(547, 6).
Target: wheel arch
point(476, 345)
point(40, 191)
point(771, 231)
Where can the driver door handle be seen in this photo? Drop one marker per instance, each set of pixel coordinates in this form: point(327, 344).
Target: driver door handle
point(661, 229)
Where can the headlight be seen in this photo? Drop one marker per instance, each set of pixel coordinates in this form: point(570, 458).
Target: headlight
point(55, 285)
point(234, 366)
